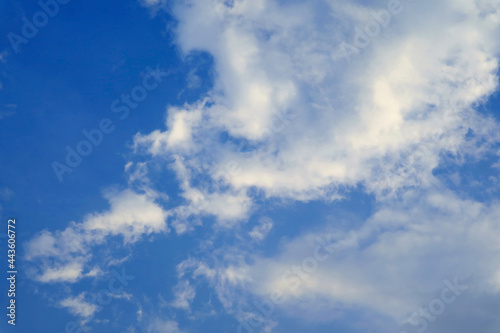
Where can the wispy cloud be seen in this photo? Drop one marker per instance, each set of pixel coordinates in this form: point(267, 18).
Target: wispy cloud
point(78, 306)
point(64, 255)
point(184, 294)
point(163, 326)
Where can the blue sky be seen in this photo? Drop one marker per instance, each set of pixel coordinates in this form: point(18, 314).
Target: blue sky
point(257, 166)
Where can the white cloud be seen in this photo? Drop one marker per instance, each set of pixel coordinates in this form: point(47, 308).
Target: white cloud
point(78, 306)
point(70, 272)
point(293, 119)
point(64, 255)
point(260, 231)
point(184, 294)
point(391, 266)
point(229, 206)
point(314, 124)
point(289, 118)
point(131, 216)
point(158, 325)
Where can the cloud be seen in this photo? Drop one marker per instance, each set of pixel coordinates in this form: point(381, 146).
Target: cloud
point(399, 260)
point(260, 231)
point(68, 272)
point(158, 325)
point(396, 260)
point(184, 294)
point(131, 216)
point(193, 80)
point(78, 306)
point(228, 206)
point(298, 123)
point(289, 118)
point(64, 255)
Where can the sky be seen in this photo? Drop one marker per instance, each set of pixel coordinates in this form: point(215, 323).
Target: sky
point(184, 166)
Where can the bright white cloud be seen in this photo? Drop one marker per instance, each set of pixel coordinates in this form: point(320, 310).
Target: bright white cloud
point(288, 117)
point(131, 215)
point(297, 121)
point(315, 124)
point(64, 255)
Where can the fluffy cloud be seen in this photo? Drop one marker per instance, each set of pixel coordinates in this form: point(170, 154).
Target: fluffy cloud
point(64, 255)
point(289, 117)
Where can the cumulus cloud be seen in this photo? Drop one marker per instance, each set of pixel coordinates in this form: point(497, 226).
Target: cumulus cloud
point(288, 117)
point(294, 121)
point(64, 255)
